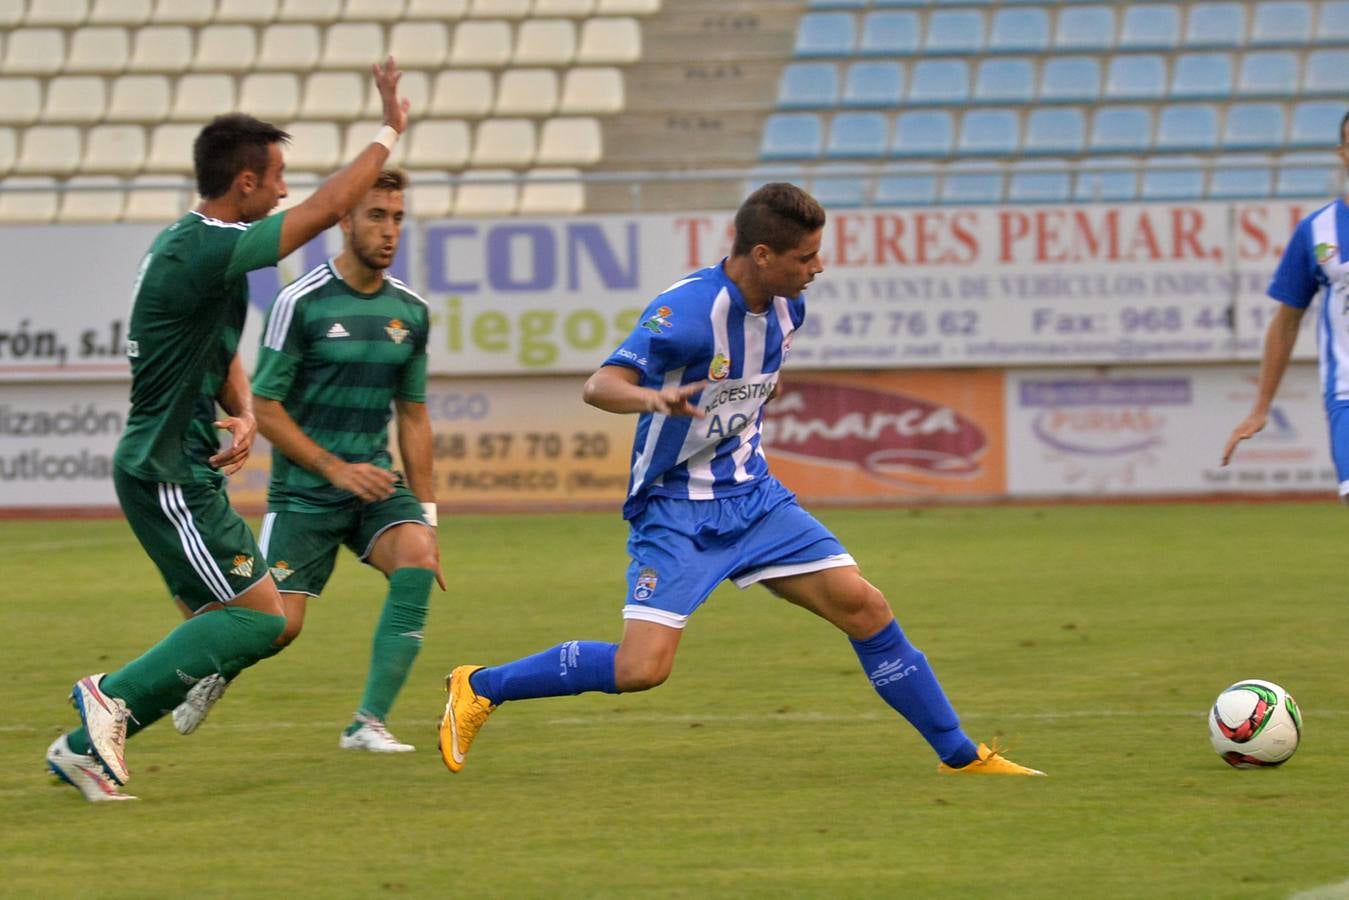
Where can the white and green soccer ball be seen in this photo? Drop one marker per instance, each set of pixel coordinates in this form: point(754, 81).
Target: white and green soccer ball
point(1255, 724)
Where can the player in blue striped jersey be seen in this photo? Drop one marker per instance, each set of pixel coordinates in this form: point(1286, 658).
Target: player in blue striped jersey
point(703, 507)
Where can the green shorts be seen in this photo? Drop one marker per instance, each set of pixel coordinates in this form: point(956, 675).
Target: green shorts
point(301, 547)
point(204, 550)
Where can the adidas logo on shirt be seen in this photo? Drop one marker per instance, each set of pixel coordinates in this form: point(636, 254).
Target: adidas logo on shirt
point(338, 331)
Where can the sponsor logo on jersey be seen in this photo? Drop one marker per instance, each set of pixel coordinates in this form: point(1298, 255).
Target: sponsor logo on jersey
point(1325, 252)
point(281, 571)
point(337, 331)
point(243, 566)
point(720, 368)
point(646, 585)
point(660, 320)
point(396, 331)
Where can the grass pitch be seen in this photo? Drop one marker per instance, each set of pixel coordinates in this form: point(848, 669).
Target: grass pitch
point(1092, 639)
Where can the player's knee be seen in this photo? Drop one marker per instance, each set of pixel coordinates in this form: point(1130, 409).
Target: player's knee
point(289, 633)
point(640, 675)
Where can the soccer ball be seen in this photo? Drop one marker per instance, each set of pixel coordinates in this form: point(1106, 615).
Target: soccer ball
point(1254, 724)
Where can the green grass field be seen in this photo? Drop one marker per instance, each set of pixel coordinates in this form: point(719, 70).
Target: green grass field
point(1092, 639)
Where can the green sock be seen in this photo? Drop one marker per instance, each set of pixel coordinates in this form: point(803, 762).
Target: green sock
point(156, 682)
point(398, 637)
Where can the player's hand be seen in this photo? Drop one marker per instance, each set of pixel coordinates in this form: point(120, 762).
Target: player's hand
point(367, 482)
point(1249, 426)
point(395, 108)
point(243, 429)
point(674, 401)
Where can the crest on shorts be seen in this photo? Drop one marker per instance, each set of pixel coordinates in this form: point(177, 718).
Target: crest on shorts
point(720, 368)
point(660, 320)
point(396, 331)
point(243, 566)
point(646, 585)
point(1325, 252)
point(281, 571)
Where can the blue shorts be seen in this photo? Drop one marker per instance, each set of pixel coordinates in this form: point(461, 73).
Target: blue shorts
point(682, 549)
point(1337, 415)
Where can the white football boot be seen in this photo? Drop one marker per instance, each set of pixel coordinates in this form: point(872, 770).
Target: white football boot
point(82, 772)
point(104, 718)
point(373, 736)
point(198, 702)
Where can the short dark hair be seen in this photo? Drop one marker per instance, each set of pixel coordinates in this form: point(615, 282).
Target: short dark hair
point(1343, 123)
point(778, 215)
point(231, 144)
point(391, 180)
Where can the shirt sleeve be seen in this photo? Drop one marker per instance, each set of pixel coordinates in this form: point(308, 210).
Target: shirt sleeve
point(281, 352)
point(1299, 278)
point(257, 248)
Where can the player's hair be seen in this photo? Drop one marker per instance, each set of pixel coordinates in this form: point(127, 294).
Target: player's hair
point(778, 215)
point(391, 180)
point(1343, 122)
point(231, 144)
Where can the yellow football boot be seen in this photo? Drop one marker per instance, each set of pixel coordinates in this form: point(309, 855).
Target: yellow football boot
point(464, 714)
point(990, 762)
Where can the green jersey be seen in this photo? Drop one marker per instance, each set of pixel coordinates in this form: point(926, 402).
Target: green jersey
point(337, 359)
point(188, 308)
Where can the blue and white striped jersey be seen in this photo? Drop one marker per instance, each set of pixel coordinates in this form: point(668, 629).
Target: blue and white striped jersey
point(700, 330)
point(1313, 261)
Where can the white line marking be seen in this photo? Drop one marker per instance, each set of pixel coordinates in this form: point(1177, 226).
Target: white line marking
point(1324, 892)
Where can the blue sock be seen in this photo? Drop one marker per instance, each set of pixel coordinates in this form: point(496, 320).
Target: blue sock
point(571, 668)
point(900, 674)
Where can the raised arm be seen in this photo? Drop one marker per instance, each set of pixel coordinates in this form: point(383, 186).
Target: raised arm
point(1279, 341)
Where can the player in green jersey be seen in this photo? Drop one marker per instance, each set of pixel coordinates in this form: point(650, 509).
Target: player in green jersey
point(188, 307)
point(343, 348)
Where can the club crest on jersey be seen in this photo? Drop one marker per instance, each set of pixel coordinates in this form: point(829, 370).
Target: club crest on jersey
point(396, 331)
point(243, 566)
point(660, 320)
point(281, 571)
point(720, 368)
point(646, 585)
point(1325, 252)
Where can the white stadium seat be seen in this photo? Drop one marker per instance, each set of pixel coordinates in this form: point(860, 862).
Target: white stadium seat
point(250, 12)
point(527, 92)
point(183, 12)
point(436, 9)
point(592, 90)
point(552, 191)
point(545, 42)
point(628, 7)
point(146, 203)
point(34, 51)
point(35, 200)
point(576, 9)
point(91, 198)
point(57, 12)
point(298, 190)
point(11, 13)
point(333, 95)
point(494, 199)
point(437, 144)
point(139, 98)
point(481, 44)
point(570, 142)
point(360, 134)
point(171, 148)
point(414, 86)
point(20, 100)
point(99, 49)
point(199, 97)
point(464, 92)
point(114, 149)
point(49, 150)
point(161, 48)
point(352, 45)
point(373, 10)
point(225, 48)
point(314, 147)
point(498, 9)
point(504, 142)
point(271, 96)
point(120, 12)
point(294, 47)
point(75, 98)
point(419, 45)
point(9, 149)
point(323, 11)
point(610, 41)
point(433, 200)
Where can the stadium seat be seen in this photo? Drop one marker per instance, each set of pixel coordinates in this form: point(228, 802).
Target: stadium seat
point(481, 44)
point(924, 133)
point(628, 7)
point(119, 12)
point(1316, 123)
point(825, 34)
point(1149, 26)
point(462, 92)
point(319, 12)
point(314, 147)
point(1070, 79)
point(575, 9)
point(9, 149)
point(1254, 126)
point(1332, 26)
point(11, 13)
point(34, 51)
point(195, 96)
point(1268, 74)
point(1121, 129)
point(761, 175)
point(966, 183)
point(57, 12)
point(271, 96)
point(149, 200)
point(1202, 76)
point(247, 12)
point(839, 188)
point(874, 83)
point(224, 48)
point(989, 132)
point(183, 12)
point(114, 150)
point(1241, 179)
point(1325, 72)
point(373, 10)
point(103, 49)
point(75, 98)
point(358, 136)
point(436, 9)
point(1219, 25)
point(837, 4)
point(527, 92)
point(1057, 131)
point(429, 200)
point(293, 47)
point(504, 142)
point(1106, 181)
point(1004, 81)
point(48, 150)
point(419, 45)
point(20, 101)
point(1307, 175)
point(1285, 23)
point(415, 86)
point(1019, 31)
point(1039, 182)
point(593, 90)
point(487, 192)
point(1187, 126)
point(791, 136)
point(889, 33)
point(1162, 182)
point(498, 9)
point(954, 31)
point(351, 45)
point(1135, 76)
point(905, 188)
point(545, 42)
point(609, 41)
point(557, 191)
point(805, 85)
point(171, 147)
point(91, 198)
point(939, 81)
point(28, 199)
point(161, 48)
point(570, 141)
point(1085, 28)
point(858, 134)
point(328, 95)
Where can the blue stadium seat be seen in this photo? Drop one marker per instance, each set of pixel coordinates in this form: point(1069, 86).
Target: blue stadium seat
point(1325, 72)
point(1202, 76)
point(837, 4)
point(792, 136)
point(1316, 123)
point(924, 133)
point(839, 189)
point(1333, 25)
point(905, 188)
point(1246, 180)
point(1268, 74)
point(761, 175)
point(805, 85)
point(1219, 25)
point(1004, 81)
point(1045, 184)
point(1019, 31)
point(826, 34)
point(1121, 129)
point(1136, 76)
point(1085, 28)
point(1107, 180)
point(1254, 126)
point(1314, 177)
point(1070, 79)
point(884, 3)
point(1165, 183)
point(1188, 126)
point(858, 134)
point(889, 33)
point(1150, 26)
point(968, 184)
point(874, 84)
point(989, 131)
point(1286, 23)
point(1058, 131)
point(954, 31)
point(939, 81)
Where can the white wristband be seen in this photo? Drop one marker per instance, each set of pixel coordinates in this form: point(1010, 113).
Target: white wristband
point(429, 514)
point(388, 136)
